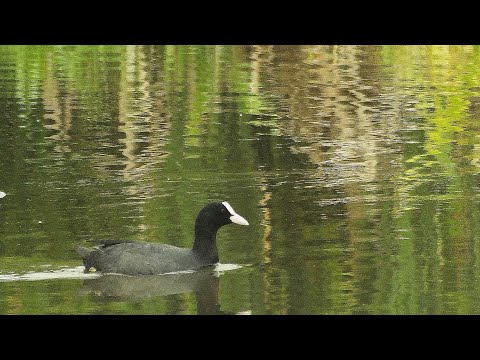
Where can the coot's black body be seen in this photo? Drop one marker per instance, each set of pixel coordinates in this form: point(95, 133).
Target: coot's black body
point(143, 258)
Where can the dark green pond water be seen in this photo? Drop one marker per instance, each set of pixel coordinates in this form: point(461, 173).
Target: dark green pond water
point(358, 168)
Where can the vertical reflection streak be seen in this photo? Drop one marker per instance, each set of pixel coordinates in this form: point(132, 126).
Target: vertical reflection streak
point(62, 121)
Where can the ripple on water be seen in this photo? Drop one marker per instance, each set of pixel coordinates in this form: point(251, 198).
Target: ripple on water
point(65, 273)
point(77, 273)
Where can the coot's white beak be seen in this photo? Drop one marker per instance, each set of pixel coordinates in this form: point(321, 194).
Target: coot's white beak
point(235, 218)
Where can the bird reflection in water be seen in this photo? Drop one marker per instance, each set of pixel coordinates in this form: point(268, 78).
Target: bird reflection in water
point(204, 283)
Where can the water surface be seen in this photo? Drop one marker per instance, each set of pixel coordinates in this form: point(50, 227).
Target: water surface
point(357, 167)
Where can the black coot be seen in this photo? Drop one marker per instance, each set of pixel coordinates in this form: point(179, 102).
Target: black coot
point(143, 258)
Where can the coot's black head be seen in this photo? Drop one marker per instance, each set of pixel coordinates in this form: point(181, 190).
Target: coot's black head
point(218, 214)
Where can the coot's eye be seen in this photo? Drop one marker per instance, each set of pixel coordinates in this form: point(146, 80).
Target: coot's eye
point(223, 210)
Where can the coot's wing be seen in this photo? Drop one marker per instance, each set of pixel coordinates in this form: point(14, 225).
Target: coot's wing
point(109, 242)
